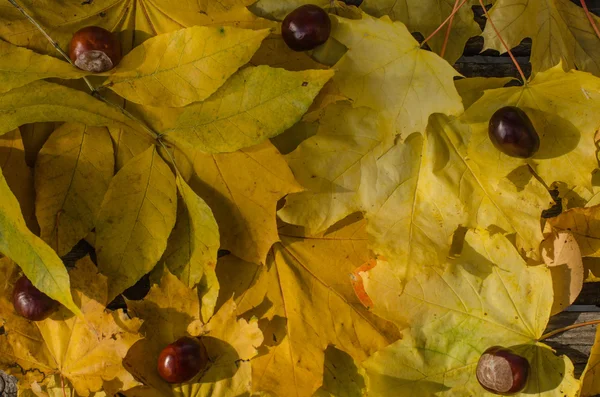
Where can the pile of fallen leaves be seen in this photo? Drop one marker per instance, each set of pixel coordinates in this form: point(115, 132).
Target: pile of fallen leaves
point(329, 223)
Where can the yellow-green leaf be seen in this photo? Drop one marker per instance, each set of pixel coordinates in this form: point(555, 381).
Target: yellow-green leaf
point(486, 297)
point(471, 89)
point(43, 101)
point(136, 218)
point(185, 66)
point(37, 260)
point(255, 104)
point(72, 174)
point(243, 188)
point(191, 253)
point(20, 66)
point(385, 69)
point(559, 29)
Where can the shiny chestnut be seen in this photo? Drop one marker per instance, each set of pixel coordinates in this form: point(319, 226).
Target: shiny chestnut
point(512, 132)
point(182, 360)
point(501, 371)
point(94, 49)
point(30, 302)
point(306, 28)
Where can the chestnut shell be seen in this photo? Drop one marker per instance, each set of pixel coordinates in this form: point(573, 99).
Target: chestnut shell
point(94, 49)
point(30, 302)
point(306, 28)
point(512, 132)
point(501, 371)
point(182, 360)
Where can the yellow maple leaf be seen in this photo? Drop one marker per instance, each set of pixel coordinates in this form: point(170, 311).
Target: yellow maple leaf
point(486, 297)
point(385, 69)
point(242, 189)
point(305, 305)
point(172, 310)
point(559, 29)
point(426, 16)
point(86, 351)
point(564, 108)
point(414, 193)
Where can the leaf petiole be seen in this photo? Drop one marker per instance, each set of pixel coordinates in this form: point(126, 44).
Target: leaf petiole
point(568, 328)
point(510, 54)
point(449, 29)
point(447, 20)
point(590, 18)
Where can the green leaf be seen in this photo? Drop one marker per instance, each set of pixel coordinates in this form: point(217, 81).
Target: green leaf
point(257, 103)
point(72, 174)
point(185, 66)
point(43, 101)
point(37, 260)
point(136, 218)
point(191, 253)
point(486, 297)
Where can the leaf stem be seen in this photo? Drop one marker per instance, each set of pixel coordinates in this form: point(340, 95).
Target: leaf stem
point(590, 18)
point(510, 54)
point(570, 327)
point(450, 17)
point(50, 39)
point(449, 29)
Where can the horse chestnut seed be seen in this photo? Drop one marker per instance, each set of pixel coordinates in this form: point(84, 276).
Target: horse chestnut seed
point(32, 303)
point(94, 49)
point(306, 28)
point(501, 371)
point(182, 360)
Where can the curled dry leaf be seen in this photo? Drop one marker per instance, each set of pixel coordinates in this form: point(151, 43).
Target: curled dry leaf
point(561, 253)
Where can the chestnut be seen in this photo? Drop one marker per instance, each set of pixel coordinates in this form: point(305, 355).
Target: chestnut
point(501, 371)
point(94, 49)
point(30, 302)
point(182, 360)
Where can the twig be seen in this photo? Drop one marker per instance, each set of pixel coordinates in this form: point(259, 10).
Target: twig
point(50, 39)
point(449, 29)
point(450, 17)
point(561, 330)
point(510, 54)
point(590, 18)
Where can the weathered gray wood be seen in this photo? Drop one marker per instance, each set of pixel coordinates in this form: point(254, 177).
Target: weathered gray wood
point(576, 343)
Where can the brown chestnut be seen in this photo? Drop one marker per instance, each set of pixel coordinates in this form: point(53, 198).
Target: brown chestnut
point(182, 360)
point(501, 371)
point(94, 49)
point(306, 28)
point(30, 302)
